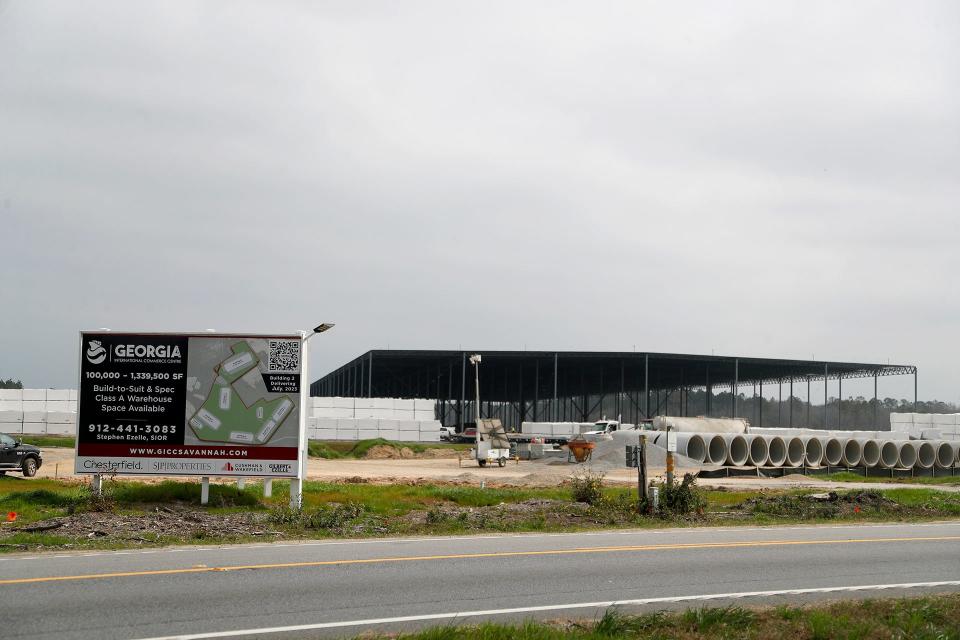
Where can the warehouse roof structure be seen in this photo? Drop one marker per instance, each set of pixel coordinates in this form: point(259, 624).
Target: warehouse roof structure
point(574, 385)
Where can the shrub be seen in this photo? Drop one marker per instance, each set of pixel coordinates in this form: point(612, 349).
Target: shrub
point(587, 487)
point(681, 499)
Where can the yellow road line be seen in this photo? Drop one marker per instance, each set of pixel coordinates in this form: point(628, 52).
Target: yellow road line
point(461, 556)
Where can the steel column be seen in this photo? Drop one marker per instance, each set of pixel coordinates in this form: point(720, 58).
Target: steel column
point(839, 401)
point(790, 412)
point(876, 421)
point(463, 388)
point(915, 403)
point(646, 385)
point(736, 384)
point(826, 375)
point(536, 391)
point(620, 395)
point(780, 404)
point(553, 405)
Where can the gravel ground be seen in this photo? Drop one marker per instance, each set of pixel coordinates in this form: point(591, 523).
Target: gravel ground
point(539, 473)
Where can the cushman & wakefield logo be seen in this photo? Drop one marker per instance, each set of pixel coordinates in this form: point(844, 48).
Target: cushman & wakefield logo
point(243, 467)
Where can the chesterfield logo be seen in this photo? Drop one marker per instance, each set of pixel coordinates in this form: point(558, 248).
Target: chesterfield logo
point(95, 352)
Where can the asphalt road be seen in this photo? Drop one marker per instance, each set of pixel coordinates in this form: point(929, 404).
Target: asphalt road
point(341, 588)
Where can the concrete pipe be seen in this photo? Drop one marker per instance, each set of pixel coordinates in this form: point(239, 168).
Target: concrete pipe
point(908, 455)
point(738, 451)
point(926, 454)
point(796, 451)
point(716, 448)
point(691, 445)
point(870, 456)
point(832, 451)
point(946, 454)
point(776, 451)
point(852, 452)
point(758, 450)
point(813, 452)
point(889, 454)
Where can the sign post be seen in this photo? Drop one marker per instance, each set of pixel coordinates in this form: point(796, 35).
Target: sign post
point(637, 457)
point(201, 404)
point(671, 447)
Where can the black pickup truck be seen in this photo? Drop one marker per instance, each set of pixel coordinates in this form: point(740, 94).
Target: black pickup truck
point(16, 456)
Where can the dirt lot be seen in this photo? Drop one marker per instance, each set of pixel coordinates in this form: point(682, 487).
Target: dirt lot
point(58, 462)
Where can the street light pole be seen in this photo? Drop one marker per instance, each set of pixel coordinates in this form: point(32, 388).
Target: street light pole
point(296, 484)
point(475, 361)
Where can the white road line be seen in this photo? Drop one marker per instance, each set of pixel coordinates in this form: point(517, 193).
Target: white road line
point(554, 607)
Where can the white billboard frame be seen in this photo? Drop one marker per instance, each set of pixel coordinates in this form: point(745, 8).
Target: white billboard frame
point(300, 462)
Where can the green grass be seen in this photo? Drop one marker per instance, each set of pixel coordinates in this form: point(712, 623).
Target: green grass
point(922, 618)
point(337, 449)
point(47, 441)
point(344, 509)
point(847, 476)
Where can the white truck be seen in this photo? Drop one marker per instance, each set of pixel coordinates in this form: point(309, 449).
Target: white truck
point(606, 427)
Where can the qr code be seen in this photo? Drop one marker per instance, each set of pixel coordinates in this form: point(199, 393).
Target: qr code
point(284, 355)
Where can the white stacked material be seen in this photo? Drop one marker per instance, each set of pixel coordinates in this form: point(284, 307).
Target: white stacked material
point(429, 430)
point(700, 425)
point(372, 408)
point(11, 400)
point(11, 421)
point(370, 428)
point(937, 425)
point(38, 400)
point(424, 409)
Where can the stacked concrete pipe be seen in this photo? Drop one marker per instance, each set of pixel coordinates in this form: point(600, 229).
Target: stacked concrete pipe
point(691, 445)
point(832, 451)
point(796, 452)
point(717, 449)
point(852, 452)
point(738, 449)
point(889, 454)
point(813, 451)
point(908, 455)
point(758, 450)
point(926, 454)
point(776, 451)
point(946, 454)
point(870, 452)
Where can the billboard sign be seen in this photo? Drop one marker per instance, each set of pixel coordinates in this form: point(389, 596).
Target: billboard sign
point(190, 404)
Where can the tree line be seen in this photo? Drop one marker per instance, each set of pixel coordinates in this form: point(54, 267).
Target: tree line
point(10, 383)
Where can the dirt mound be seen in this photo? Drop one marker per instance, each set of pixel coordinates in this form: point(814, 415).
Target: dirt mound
point(391, 452)
point(149, 528)
point(383, 452)
point(433, 454)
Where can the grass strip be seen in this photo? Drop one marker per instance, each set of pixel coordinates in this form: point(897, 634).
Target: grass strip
point(919, 618)
point(134, 513)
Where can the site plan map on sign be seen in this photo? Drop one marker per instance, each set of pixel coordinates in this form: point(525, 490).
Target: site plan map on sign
point(225, 417)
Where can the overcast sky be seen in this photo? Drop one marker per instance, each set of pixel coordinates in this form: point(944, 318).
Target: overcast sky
point(751, 178)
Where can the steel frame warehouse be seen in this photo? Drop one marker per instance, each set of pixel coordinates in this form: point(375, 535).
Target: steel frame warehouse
point(555, 386)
